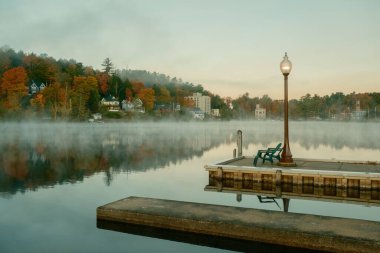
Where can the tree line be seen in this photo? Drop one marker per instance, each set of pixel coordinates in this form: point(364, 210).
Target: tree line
point(336, 106)
point(74, 91)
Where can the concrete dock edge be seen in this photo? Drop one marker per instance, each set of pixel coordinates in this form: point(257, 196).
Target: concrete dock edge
point(287, 229)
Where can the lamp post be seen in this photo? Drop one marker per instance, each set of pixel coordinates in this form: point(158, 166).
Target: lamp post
point(286, 156)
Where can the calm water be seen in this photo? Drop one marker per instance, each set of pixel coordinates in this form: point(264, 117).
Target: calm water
point(54, 176)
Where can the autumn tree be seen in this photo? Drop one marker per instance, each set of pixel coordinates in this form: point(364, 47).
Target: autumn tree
point(163, 96)
point(55, 97)
point(13, 87)
point(137, 86)
point(38, 102)
point(128, 94)
point(147, 97)
point(41, 69)
point(83, 96)
point(103, 83)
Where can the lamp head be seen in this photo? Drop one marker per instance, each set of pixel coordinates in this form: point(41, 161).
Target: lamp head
point(286, 65)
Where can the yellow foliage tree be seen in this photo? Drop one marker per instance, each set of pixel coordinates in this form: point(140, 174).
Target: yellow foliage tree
point(55, 98)
point(84, 94)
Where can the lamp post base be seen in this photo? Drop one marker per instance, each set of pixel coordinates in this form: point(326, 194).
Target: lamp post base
point(283, 164)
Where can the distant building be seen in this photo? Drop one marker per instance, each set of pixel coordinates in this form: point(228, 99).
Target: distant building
point(97, 116)
point(198, 114)
point(228, 102)
point(358, 114)
point(138, 105)
point(215, 112)
point(201, 102)
point(135, 106)
point(35, 87)
point(127, 106)
point(111, 103)
point(260, 113)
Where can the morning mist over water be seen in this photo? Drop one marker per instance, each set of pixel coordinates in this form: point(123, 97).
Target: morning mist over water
point(45, 154)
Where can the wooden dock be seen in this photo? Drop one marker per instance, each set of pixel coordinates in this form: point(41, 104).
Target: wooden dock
point(225, 222)
point(338, 181)
point(335, 175)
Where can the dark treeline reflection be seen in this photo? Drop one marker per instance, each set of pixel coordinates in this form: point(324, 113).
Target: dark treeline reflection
point(35, 155)
point(40, 155)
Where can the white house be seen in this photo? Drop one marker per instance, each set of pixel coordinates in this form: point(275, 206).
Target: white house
point(127, 106)
point(135, 106)
point(260, 113)
point(35, 87)
point(111, 103)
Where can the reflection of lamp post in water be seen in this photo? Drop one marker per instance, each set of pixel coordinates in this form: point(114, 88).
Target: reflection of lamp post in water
point(239, 197)
point(286, 156)
point(285, 203)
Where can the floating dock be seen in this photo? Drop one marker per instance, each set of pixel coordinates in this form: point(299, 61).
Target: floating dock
point(277, 228)
point(338, 175)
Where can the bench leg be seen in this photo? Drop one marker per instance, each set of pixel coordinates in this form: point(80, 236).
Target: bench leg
point(255, 160)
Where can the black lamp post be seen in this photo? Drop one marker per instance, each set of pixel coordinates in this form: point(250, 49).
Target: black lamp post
point(286, 156)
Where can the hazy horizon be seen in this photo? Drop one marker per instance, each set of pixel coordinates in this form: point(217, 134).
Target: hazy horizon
point(229, 47)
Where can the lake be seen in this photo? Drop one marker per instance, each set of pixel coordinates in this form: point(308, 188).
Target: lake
point(53, 176)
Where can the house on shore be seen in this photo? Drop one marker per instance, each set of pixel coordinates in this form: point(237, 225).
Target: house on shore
point(35, 87)
point(133, 106)
point(111, 103)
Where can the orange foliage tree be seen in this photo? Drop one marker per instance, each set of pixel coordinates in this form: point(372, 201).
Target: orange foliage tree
point(13, 87)
point(147, 97)
point(38, 101)
point(103, 82)
point(137, 87)
point(128, 94)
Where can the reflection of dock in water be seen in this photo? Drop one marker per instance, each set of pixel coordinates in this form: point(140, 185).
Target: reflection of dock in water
point(334, 180)
point(290, 191)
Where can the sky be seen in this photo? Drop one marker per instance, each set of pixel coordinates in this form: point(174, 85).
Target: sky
point(230, 47)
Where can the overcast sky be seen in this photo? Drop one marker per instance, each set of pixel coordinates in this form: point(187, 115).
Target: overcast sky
point(230, 47)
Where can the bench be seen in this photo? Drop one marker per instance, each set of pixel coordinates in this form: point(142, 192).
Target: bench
point(268, 154)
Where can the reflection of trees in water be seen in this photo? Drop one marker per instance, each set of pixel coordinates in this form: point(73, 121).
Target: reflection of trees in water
point(40, 161)
point(41, 155)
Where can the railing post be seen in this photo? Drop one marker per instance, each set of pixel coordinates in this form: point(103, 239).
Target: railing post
point(240, 143)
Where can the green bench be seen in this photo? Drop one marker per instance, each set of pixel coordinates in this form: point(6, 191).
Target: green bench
point(268, 154)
